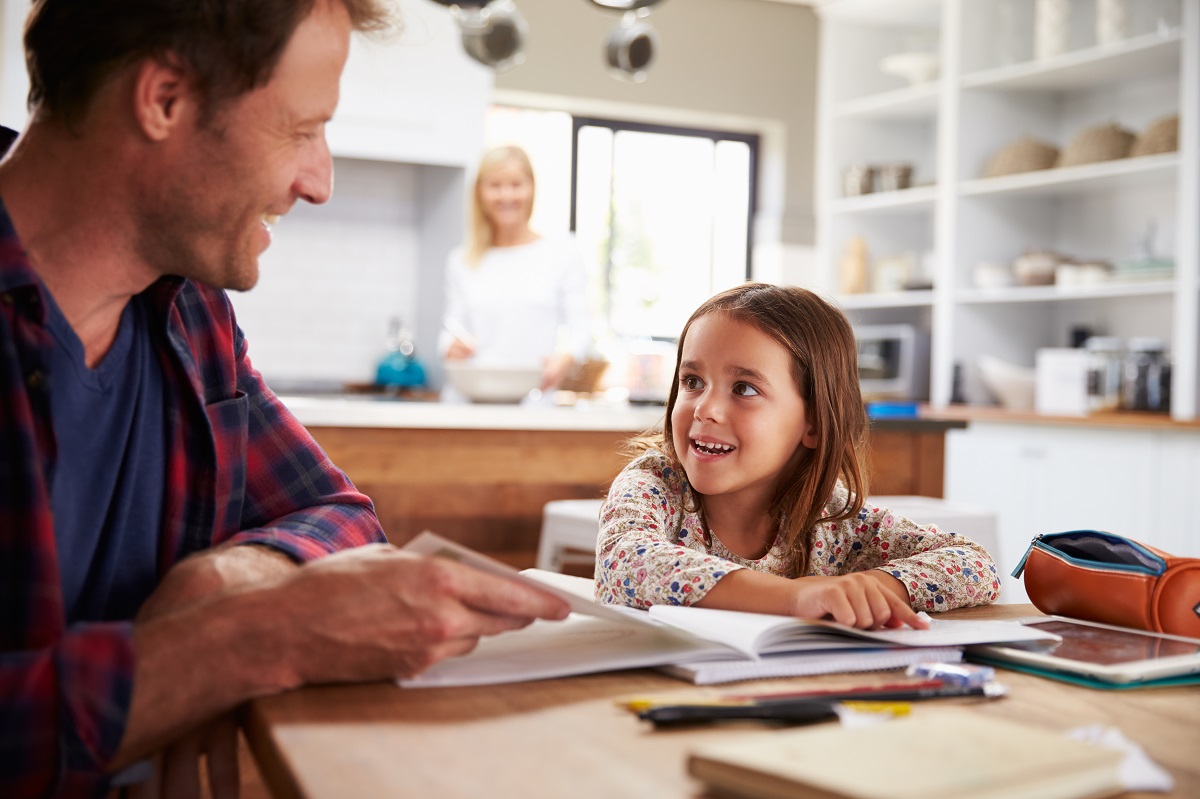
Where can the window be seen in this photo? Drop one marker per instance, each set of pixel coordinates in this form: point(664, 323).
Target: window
point(663, 214)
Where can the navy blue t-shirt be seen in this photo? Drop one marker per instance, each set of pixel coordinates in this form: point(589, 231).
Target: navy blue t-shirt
point(108, 485)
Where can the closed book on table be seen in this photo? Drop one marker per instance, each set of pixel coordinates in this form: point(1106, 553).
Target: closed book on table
point(933, 754)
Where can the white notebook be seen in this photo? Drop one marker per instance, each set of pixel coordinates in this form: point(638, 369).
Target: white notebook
point(804, 664)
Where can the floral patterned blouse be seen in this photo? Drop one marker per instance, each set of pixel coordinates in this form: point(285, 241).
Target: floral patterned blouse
point(652, 552)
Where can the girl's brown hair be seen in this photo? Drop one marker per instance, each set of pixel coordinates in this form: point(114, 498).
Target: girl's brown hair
point(480, 234)
point(825, 368)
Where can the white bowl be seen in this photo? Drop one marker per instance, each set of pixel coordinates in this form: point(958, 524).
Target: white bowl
point(1012, 385)
point(489, 383)
point(915, 67)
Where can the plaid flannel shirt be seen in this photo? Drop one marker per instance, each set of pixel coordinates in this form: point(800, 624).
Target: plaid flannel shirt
point(240, 468)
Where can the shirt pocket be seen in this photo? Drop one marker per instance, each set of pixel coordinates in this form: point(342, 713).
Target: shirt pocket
point(229, 421)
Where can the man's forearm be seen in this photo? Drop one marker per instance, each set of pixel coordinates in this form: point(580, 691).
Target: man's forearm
point(204, 575)
point(202, 660)
point(194, 636)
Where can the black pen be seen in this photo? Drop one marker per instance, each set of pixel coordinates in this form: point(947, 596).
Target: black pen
point(792, 711)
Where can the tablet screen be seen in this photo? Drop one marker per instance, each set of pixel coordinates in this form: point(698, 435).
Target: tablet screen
point(1108, 646)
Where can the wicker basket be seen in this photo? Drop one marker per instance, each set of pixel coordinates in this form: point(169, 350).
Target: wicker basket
point(1100, 143)
point(1161, 137)
point(1026, 154)
point(584, 378)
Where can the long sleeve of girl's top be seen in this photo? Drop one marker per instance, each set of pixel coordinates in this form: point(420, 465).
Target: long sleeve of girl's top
point(941, 570)
point(650, 550)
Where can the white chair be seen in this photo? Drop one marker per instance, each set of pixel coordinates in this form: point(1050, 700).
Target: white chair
point(568, 524)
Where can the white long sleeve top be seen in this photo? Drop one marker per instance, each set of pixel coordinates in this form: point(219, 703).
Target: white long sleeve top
point(521, 304)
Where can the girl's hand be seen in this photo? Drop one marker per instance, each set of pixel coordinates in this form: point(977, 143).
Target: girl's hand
point(867, 600)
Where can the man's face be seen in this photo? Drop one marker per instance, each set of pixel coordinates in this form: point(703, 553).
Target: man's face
point(231, 176)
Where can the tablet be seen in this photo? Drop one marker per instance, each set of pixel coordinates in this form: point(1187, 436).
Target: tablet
point(1102, 652)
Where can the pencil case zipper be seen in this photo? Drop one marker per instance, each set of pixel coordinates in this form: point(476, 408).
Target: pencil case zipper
point(1040, 542)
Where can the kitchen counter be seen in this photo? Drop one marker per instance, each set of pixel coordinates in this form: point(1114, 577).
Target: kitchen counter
point(1107, 419)
point(383, 412)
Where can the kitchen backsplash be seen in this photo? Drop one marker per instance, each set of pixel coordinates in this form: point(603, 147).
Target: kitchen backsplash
point(333, 277)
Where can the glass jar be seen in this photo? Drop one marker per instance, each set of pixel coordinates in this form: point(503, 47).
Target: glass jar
point(1147, 376)
point(1104, 373)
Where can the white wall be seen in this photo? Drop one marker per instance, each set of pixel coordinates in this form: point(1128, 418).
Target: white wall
point(334, 275)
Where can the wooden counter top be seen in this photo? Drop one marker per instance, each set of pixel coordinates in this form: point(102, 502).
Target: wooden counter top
point(1110, 419)
point(375, 411)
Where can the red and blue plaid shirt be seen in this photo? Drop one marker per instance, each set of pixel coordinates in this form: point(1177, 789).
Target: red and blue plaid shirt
point(240, 468)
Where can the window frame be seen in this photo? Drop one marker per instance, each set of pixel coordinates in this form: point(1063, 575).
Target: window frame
point(751, 140)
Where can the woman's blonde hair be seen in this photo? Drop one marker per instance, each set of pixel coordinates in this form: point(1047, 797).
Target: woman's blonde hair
point(821, 342)
point(480, 233)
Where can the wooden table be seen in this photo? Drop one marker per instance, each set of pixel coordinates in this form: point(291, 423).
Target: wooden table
point(568, 737)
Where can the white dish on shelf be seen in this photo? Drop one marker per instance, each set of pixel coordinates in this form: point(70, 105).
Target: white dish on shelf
point(490, 383)
point(1012, 385)
point(914, 67)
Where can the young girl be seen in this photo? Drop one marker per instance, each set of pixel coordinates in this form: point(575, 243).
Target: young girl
point(753, 496)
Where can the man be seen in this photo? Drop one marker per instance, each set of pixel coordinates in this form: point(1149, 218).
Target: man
point(163, 519)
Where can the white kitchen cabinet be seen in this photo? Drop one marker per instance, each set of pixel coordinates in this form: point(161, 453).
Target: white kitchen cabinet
point(412, 96)
point(990, 92)
point(1045, 479)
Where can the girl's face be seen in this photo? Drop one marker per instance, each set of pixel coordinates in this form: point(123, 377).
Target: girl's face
point(738, 419)
point(506, 196)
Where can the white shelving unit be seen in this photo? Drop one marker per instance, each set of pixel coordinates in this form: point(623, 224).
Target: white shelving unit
point(991, 92)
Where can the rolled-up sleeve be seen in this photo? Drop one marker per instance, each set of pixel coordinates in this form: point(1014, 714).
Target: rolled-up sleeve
point(296, 500)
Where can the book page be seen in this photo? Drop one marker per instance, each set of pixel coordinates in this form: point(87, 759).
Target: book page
point(759, 633)
point(579, 644)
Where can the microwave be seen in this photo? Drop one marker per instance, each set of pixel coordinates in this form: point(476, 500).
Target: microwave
point(893, 362)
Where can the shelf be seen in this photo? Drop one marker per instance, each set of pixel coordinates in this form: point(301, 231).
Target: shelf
point(1109, 291)
point(914, 200)
point(1141, 56)
point(886, 299)
point(1121, 173)
point(911, 102)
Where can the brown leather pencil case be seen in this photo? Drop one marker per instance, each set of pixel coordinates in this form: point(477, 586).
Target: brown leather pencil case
point(1098, 576)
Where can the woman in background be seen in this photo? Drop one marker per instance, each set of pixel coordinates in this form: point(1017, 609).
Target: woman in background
point(513, 297)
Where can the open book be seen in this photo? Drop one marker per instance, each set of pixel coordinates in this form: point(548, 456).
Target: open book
point(598, 637)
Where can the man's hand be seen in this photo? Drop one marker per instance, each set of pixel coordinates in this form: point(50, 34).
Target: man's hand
point(867, 600)
point(372, 613)
point(376, 612)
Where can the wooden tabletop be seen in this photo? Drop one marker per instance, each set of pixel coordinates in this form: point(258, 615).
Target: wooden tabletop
point(570, 738)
